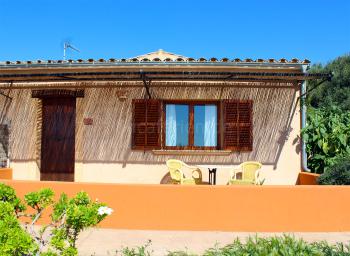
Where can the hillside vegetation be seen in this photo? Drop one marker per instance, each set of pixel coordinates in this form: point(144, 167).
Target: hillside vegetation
point(327, 134)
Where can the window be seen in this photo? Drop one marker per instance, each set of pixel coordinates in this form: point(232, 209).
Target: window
point(225, 124)
point(176, 125)
point(205, 125)
point(191, 125)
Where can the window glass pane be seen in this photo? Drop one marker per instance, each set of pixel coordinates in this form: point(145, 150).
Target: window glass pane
point(205, 125)
point(176, 125)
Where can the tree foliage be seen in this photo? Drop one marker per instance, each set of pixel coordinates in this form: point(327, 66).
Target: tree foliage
point(327, 135)
point(335, 92)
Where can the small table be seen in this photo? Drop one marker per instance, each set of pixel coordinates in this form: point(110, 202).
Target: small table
point(212, 176)
point(212, 171)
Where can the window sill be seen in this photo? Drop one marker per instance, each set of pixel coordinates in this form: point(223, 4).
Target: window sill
point(193, 152)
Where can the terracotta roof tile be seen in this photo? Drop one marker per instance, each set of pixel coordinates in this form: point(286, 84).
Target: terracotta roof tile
point(159, 57)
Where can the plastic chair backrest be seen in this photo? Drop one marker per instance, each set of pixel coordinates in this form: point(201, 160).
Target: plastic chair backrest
point(173, 167)
point(249, 169)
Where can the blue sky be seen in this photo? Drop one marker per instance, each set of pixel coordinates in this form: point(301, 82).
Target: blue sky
point(316, 30)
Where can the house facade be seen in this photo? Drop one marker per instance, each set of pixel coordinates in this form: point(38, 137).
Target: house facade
point(118, 121)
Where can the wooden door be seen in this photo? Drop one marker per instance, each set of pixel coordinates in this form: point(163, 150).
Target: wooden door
point(58, 138)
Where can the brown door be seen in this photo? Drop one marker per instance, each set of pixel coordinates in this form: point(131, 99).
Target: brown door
point(58, 139)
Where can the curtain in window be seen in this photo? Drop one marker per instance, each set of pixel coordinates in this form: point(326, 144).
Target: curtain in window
point(210, 126)
point(170, 125)
point(205, 125)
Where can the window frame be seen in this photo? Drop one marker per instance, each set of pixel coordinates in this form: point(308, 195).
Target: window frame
point(191, 104)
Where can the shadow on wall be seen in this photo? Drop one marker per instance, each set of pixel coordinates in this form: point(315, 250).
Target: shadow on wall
point(20, 115)
point(108, 140)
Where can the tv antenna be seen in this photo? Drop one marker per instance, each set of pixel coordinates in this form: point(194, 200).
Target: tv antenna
point(67, 45)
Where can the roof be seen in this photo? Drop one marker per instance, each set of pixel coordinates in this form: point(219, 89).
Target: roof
point(158, 57)
point(156, 66)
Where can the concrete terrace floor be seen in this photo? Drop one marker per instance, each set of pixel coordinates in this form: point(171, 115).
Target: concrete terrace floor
point(100, 242)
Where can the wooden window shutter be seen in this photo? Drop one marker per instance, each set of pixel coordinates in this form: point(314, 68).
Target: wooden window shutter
point(238, 125)
point(146, 124)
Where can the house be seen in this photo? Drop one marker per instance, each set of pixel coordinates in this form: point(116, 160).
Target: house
point(118, 121)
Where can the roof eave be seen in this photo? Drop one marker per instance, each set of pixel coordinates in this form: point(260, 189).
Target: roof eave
point(152, 63)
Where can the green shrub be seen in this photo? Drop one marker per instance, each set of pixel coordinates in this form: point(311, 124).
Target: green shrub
point(327, 137)
point(275, 246)
point(137, 251)
point(13, 239)
point(78, 213)
point(39, 200)
point(333, 250)
point(70, 216)
point(338, 174)
point(8, 194)
point(256, 246)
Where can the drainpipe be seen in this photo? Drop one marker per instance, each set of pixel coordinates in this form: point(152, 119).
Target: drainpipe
point(303, 123)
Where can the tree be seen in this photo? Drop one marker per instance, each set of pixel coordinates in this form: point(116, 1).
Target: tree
point(327, 135)
point(335, 92)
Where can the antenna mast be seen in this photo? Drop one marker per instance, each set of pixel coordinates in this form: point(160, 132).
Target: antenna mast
point(66, 46)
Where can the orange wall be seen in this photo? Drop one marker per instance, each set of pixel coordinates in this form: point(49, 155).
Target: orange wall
point(224, 208)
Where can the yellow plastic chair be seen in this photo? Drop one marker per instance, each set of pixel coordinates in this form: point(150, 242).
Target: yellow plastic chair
point(176, 168)
point(250, 172)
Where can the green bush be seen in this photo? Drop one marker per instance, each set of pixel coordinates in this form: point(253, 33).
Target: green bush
point(279, 246)
point(137, 251)
point(338, 174)
point(8, 194)
point(13, 239)
point(256, 246)
point(274, 246)
point(79, 213)
point(70, 216)
point(327, 137)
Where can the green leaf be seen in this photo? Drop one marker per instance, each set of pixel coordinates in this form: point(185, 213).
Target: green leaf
point(325, 147)
point(342, 139)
